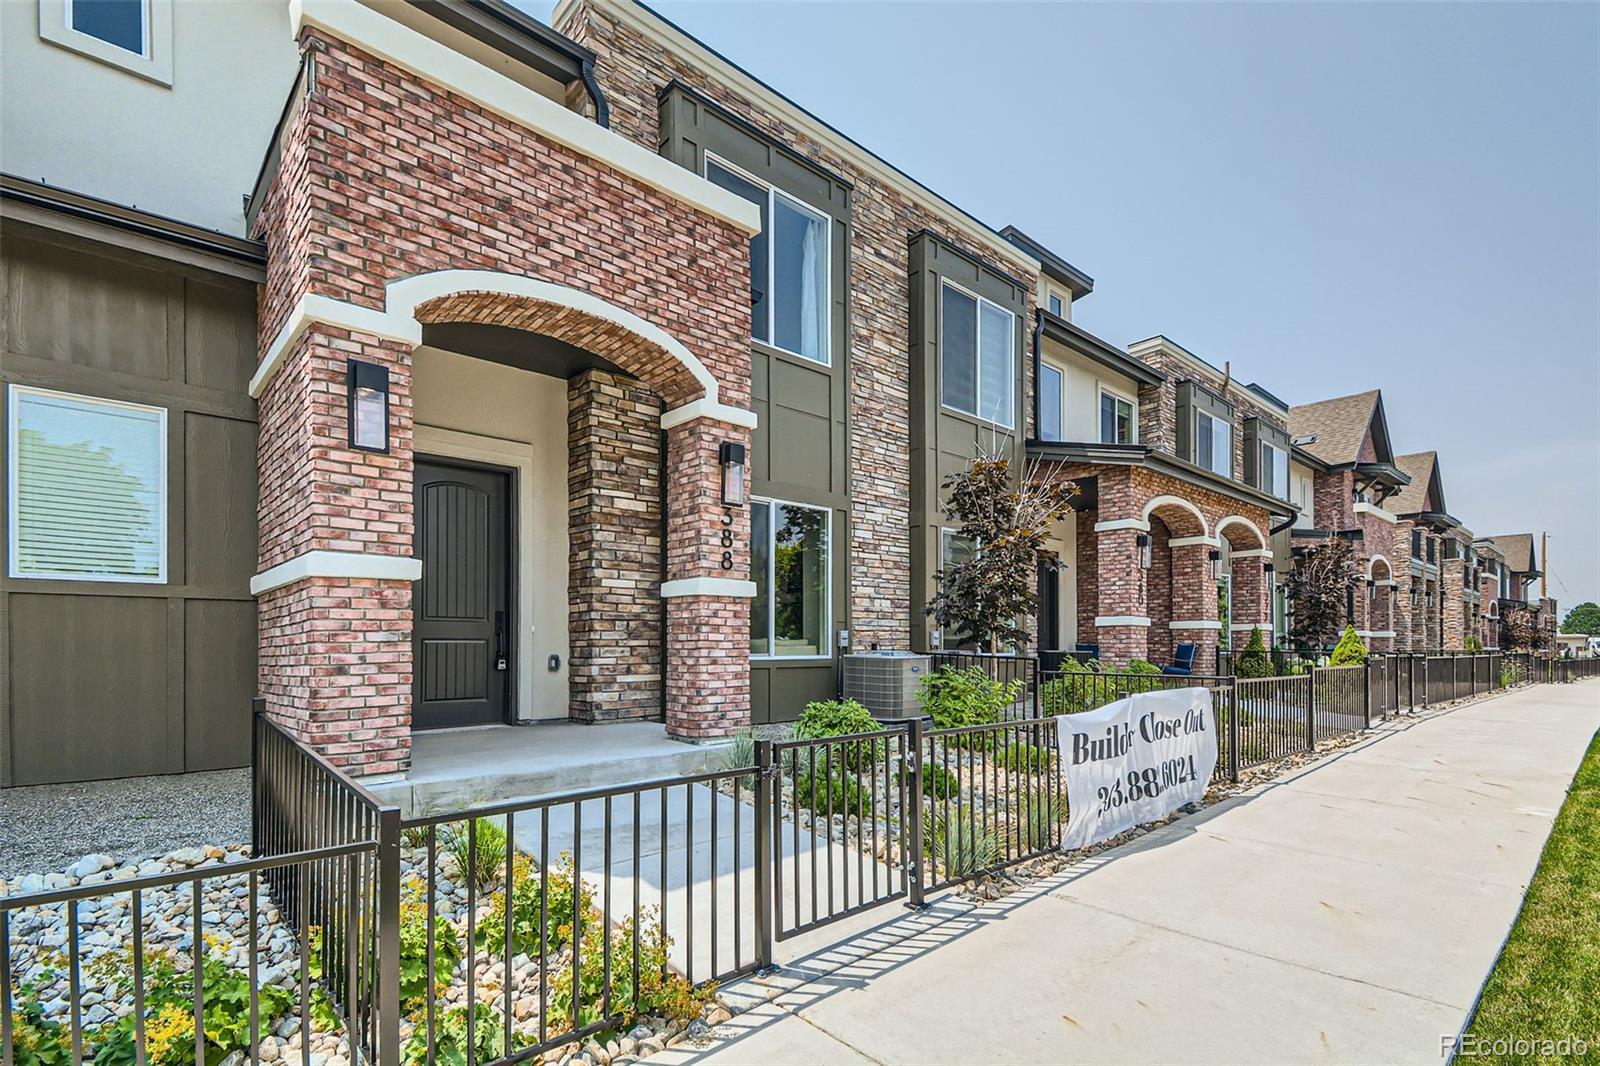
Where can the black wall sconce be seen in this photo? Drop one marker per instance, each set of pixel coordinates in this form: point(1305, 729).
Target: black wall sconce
point(731, 456)
point(1142, 542)
point(1216, 564)
point(367, 385)
point(1372, 590)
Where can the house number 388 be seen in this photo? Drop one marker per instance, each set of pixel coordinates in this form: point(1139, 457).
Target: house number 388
point(727, 538)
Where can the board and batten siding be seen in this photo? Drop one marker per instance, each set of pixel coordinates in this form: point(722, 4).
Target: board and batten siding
point(109, 679)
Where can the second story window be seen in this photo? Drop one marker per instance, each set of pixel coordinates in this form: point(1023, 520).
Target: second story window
point(1274, 471)
point(1416, 544)
point(978, 372)
point(789, 258)
point(1050, 385)
point(1055, 305)
point(1118, 421)
point(121, 23)
point(1433, 551)
point(1213, 444)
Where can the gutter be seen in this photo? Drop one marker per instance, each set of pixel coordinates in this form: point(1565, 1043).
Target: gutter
point(1038, 332)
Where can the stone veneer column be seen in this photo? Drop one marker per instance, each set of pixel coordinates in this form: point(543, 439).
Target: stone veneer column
point(708, 549)
point(614, 527)
point(1452, 607)
point(335, 652)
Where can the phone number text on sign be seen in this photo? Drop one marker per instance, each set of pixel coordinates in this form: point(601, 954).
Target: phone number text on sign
point(1135, 760)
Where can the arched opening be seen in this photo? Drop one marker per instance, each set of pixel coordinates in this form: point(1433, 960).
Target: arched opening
point(1179, 592)
point(1381, 592)
point(1244, 594)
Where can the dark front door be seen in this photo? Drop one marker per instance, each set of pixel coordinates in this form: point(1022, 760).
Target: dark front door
point(1049, 606)
point(460, 607)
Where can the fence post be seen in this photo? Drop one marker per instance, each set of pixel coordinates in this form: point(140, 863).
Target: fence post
point(766, 816)
point(914, 887)
point(258, 707)
point(1366, 694)
point(1455, 677)
point(388, 938)
point(1311, 714)
point(1038, 683)
point(1233, 729)
point(1424, 683)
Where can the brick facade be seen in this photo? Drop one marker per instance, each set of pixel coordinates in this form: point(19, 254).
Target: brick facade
point(362, 200)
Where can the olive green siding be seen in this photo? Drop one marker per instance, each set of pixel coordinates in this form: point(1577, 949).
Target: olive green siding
point(943, 441)
point(103, 679)
point(801, 447)
point(1194, 397)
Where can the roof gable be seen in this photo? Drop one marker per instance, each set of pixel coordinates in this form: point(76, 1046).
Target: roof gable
point(1518, 551)
point(1342, 428)
point(1426, 491)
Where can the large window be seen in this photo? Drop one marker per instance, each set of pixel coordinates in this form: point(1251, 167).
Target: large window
point(88, 487)
point(1213, 444)
point(789, 267)
point(1050, 395)
point(789, 564)
point(978, 340)
point(1119, 420)
point(953, 549)
point(1274, 471)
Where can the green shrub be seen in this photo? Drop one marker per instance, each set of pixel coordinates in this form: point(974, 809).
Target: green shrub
point(661, 991)
point(38, 1041)
point(450, 1037)
point(1024, 758)
point(820, 793)
point(838, 718)
point(955, 698)
point(1254, 660)
point(558, 910)
point(1473, 645)
point(1039, 825)
point(937, 782)
point(414, 949)
point(1071, 692)
point(1349, 651)
point(490, 863)
point(959, 845)
point(169, 1011)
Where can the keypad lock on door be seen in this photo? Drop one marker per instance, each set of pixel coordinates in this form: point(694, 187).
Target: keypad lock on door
point(500, 660)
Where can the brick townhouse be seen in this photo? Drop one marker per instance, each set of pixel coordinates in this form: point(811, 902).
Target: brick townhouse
point(414, 365)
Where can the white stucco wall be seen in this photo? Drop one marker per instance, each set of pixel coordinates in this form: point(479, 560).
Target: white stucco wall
point(517, 418)
point(190, 151)
point(1083, 378)
point(1302, 495)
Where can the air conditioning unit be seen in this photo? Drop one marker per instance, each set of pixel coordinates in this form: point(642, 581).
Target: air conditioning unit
point(885, 682)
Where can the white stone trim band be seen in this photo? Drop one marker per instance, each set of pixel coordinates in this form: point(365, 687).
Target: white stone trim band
point(1378, 633)
point(444, 66)
point(1136, 620)
point(1362, 507)
point(1250, 553)
point(312, 308)
point(708, 586)
point(1245, 627)
point(1122, 523)
point(705, 408)
point(1184, 542)
point(1201, 623)
point(336, 564)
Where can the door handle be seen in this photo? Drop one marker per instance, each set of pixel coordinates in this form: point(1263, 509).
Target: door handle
point(500, 662)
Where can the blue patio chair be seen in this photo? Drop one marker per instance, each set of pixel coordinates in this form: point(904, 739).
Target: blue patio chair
point(1182, 660)
point(1091, 650)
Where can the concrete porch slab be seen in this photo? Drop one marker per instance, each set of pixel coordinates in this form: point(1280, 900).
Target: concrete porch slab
point(456, 769)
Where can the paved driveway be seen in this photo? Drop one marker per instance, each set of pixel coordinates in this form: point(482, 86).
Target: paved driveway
point(1346, 914)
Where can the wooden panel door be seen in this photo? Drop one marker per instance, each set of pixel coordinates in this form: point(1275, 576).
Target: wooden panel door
point(461, 607)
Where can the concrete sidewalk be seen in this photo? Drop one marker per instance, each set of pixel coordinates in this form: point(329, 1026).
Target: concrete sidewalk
point(1347, 913)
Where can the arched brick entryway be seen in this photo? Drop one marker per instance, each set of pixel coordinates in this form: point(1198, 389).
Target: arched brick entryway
point(372, 234)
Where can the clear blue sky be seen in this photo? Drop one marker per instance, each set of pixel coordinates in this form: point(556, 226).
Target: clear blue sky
point(1330, 198)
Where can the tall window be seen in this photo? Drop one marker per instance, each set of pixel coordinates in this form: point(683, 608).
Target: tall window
point(1118, 419)
point(122, 23)
point(789, 267)
point(1050, 386)
point(88, 486)
point(978, 340)
point(1055, 305)
point(789, 564)
point(1274, 471)
point(1225, 609)
point(953, 549)
point(1280, 615)
point(1416, 544)
point(1213, 444)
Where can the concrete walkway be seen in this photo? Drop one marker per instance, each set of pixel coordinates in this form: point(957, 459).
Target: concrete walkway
point(1345, 914)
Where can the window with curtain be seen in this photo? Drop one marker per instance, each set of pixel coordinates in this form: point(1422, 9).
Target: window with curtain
point(1050, 386)
point(1213, 444)
point(978, 342)
point(789, 260)
point(789, 565)
point(87, 488)
point(1116, 419)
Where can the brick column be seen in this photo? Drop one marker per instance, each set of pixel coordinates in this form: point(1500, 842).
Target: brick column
point(1120, 598)
point(1251, 606)
point(708, 631)
point(1194, 599)
point(1381, 612)
point(335, 652)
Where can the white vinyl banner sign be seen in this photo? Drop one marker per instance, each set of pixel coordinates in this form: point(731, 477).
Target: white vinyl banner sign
point(1135, 760)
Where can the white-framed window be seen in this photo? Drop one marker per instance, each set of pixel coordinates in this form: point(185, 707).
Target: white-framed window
point(87, 488)
point(1280, 614)
point(790, 266)
point(977, 339)
point(790, 564)
point(1051, 394)
point(1053, 301)
point(953, 548)
point(1119, 418)
point(1213, 444)
point(1274, 471)
point(135, 35)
